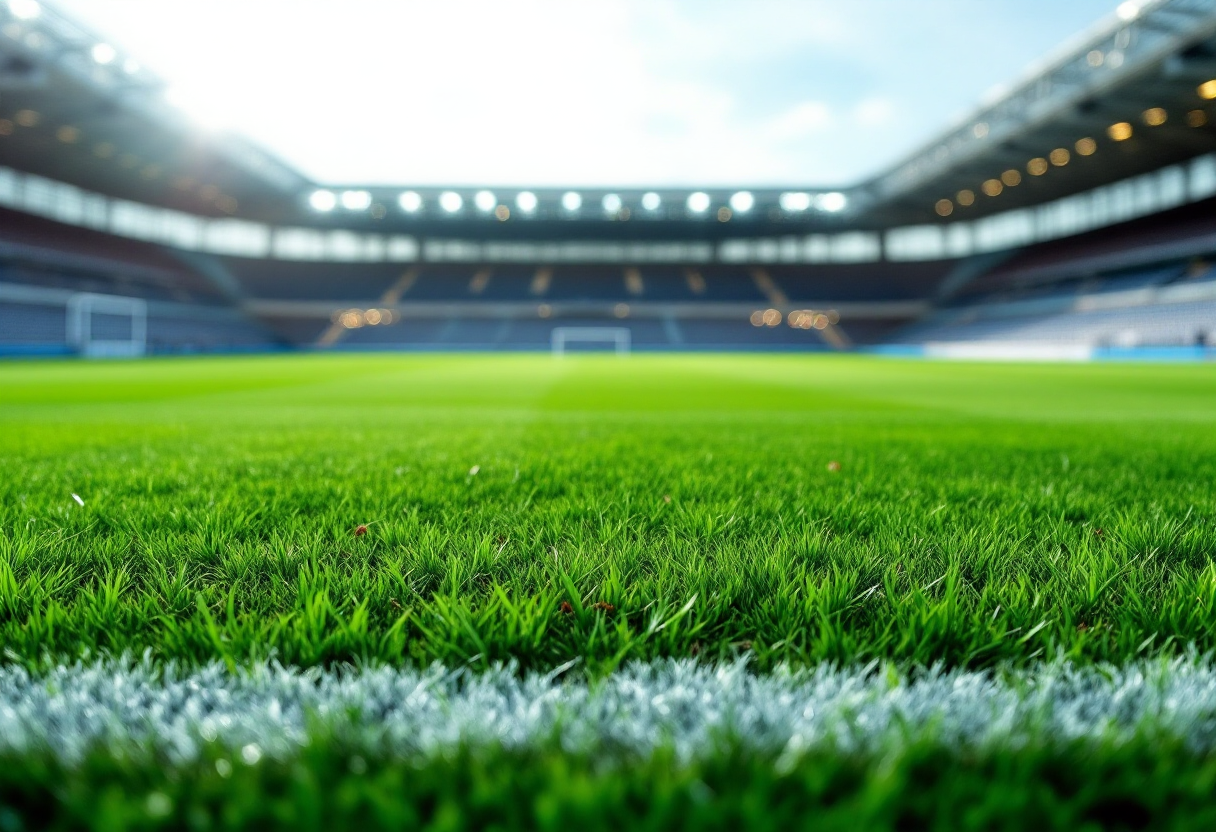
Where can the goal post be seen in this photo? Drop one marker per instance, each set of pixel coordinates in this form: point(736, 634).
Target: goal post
point(619, 336)
point(107, 337)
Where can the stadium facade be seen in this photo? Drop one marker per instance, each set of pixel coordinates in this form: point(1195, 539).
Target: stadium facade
point(1073, 213)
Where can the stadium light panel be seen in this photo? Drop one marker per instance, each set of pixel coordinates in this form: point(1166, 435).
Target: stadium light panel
point(24, 9)
point(450, 201)
point(651, 201)
point(571, 201)
point(323, 201)
point(794, 201)
point(485, 201)
point(131, 66)
point(742, 202)
point(103, 53)
point(356, 200)
point(1120, 131)
point(1207, 89)
point(612, 203)
point(526, 201)
point(698, 202)
point(832, 202)
point(410, 201)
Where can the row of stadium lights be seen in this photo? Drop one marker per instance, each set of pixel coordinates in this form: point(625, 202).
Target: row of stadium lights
point(526, 203)
point(797, 319)
point(1118, 132)
point(356, 318)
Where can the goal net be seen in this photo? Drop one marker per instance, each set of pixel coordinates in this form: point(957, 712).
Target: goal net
point(107, 325)
point(563, 336)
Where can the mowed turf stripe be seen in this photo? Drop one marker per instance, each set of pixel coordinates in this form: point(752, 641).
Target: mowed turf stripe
point(681, 708)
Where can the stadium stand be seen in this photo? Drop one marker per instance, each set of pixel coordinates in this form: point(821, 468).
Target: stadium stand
point(226, 247)
point(44, 264)
point(1147, 282)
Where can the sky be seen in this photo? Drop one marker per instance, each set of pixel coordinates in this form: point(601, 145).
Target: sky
point(539, 93)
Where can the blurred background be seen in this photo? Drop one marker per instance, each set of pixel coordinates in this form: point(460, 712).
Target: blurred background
point(998, 179)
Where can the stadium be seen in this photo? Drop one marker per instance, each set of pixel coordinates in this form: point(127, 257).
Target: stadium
point(887, 504)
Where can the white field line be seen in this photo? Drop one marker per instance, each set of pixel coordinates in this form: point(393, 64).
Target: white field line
point(694, 709)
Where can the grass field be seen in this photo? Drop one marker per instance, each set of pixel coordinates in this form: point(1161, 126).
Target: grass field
point(785, 511)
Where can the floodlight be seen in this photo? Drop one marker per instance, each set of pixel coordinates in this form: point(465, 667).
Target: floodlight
point(356, 200)
point(698, 202)
point(571, 201)
point(323, 201)
point(526, 201)
point(795, 201)
point(742, 202)
point(24, 9)
point(103, 53)
point(612, 203)
point(130, 66)
point(409, 201)
point(651, 201)
point(832, 202)
point(485, 201)
point(1128, 10)
point(450, 201)
point(1154, 116)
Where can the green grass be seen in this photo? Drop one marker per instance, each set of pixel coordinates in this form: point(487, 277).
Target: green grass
point(981, 514)
point(1073, 788)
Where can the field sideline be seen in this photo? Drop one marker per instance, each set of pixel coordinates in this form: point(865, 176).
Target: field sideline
point(584, 517)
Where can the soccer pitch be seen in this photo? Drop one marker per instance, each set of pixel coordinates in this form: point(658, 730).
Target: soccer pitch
point(660, 590)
